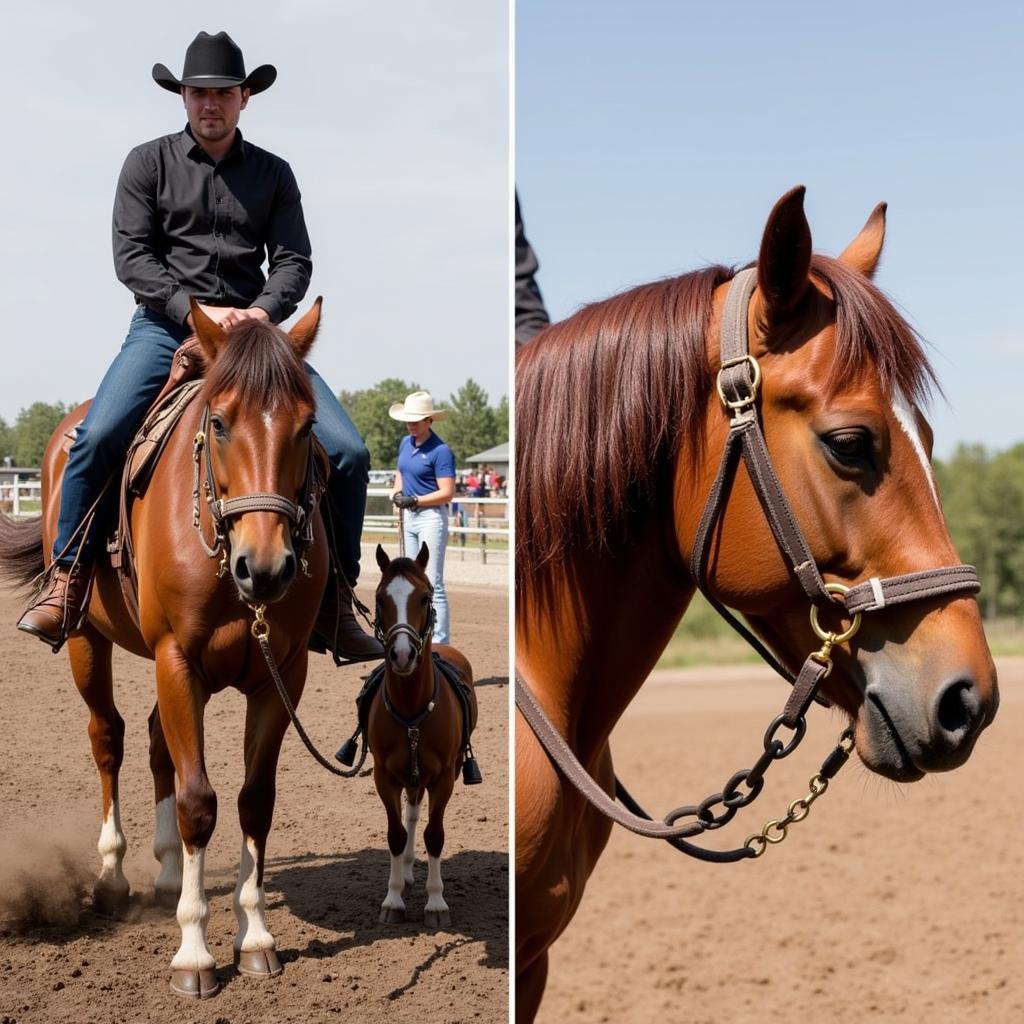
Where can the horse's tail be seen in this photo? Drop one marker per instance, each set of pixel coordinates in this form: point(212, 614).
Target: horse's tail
point(21, 549)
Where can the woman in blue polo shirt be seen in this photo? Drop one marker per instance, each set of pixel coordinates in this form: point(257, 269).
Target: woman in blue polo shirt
point(424, 485)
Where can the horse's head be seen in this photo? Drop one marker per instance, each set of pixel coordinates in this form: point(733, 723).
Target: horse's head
point(258, 435)
point(405, 609)
point(842, 380)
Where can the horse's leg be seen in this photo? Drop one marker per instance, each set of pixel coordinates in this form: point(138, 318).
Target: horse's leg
point(90, 652)
point(435, 914)
point(181, 700)
point(412, 816)
point(530, 984)
point(166, 839)
point(265, 723)
point(392, 910)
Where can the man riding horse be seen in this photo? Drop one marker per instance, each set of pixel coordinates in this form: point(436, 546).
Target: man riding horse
point(195, 214)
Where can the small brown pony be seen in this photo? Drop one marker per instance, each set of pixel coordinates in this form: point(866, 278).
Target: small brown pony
point(619, 436)
point(195, 625)
point(415, 730)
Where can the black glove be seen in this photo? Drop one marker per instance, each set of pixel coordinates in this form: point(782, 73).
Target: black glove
point(404, 500)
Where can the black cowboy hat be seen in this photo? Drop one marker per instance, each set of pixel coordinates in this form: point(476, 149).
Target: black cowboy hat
point(213, 62)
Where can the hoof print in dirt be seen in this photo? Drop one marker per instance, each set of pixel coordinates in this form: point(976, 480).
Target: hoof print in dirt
point(195, 984)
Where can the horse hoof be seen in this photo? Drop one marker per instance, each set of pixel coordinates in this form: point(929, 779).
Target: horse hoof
point(194, 984)
point(110, 902)
point(167, 898)
point(392, 915)
point(258, 963)
point(439, 920)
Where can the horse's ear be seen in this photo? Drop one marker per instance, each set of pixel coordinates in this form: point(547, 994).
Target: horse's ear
point(424, 556)
point(303, 333)
point(382, 558)
point(864, 252)
point(784, 263)
point(209, 332)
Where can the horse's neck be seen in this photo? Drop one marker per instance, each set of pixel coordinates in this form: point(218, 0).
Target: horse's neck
point(588, 652)
point(409, 694)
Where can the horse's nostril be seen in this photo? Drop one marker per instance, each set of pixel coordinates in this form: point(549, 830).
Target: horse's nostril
point(288, 571)
point(959, 708)
point(241, 568)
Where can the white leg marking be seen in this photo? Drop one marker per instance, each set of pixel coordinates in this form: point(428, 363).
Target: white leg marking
point(193, 913)
point(250, 903)
point(396, 883)
point(167, 846)
point(399, 590)
point(904, 413)
point(112, 846)
point(412, 816)
point(435, 887)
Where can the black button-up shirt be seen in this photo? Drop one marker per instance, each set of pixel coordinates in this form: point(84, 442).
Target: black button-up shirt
point(186, 225)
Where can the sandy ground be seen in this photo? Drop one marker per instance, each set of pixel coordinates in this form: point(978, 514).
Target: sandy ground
point(327, 870)
point(886, 904)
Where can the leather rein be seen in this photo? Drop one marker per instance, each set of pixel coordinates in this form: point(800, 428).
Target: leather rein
point(738, 386)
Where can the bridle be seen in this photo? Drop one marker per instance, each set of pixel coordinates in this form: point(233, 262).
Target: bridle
point(738, 386)
point(223, 510)
point(417, 637)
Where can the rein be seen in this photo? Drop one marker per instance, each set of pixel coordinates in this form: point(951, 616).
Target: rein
point(738, 386)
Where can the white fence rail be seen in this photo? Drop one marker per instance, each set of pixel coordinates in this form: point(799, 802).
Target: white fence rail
point(473, 523)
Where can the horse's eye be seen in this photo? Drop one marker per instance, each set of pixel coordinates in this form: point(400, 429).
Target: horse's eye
point(850, 447)
point(424, 600)
point(218, 426)
point(307, 429)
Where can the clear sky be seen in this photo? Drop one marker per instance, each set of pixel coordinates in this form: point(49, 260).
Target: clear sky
point(394, 117)
point(653, 137)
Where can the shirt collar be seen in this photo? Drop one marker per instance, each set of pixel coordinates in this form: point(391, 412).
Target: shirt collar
point(192, 147)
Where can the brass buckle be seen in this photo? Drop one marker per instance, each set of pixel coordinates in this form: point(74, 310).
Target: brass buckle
point(755, 384)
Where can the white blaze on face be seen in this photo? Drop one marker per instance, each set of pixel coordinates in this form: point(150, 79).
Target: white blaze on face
point(400, 590)
point(268, 420)
point(906, 418)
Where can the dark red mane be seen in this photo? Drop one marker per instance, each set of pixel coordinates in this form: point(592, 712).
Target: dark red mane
point(608, 399)
point(257, 360)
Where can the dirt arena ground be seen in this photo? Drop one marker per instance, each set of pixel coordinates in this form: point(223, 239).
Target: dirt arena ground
point(886, 904)
point(328, 862)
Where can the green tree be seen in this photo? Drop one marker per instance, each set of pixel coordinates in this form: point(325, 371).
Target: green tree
point(369, 411)
point(473, 425)
point(6, 441)
point(32, 429)
point(501, 417)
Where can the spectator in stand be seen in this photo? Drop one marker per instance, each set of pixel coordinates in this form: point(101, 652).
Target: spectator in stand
point(424, 485)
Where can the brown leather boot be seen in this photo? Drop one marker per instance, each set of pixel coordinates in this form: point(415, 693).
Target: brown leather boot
point(338, 620)
point(60, 606)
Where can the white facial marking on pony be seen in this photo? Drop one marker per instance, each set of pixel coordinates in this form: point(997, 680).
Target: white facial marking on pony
point(904, 413)
point(268, 420)
point(400, 590)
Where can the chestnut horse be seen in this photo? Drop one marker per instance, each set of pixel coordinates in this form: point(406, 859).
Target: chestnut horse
point(416, 730)
point(256, 410)
point(620, 435)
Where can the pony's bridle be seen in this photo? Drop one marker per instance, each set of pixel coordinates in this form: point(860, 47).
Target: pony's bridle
point(417, 637)
point(223, 510)
point(738, 385)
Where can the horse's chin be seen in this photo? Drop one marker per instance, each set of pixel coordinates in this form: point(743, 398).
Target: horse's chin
point(880, 747)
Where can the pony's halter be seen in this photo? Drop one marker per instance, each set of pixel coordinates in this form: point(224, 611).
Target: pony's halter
point(223, 510)
point(416, 637)
point(738, 385)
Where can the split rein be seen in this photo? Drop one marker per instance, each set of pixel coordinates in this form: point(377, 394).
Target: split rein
point(738, 385)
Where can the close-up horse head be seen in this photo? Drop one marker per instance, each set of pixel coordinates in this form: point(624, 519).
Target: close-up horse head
point(262, 458)
point(405, 610)
point(843, 380)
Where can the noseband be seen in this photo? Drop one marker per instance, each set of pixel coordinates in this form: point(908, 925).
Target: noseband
point(223, 510)
point(738, 385)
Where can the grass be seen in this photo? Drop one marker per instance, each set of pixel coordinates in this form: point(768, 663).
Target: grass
point(703, 638)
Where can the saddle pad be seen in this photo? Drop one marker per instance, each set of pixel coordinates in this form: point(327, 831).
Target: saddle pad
point(149, 442)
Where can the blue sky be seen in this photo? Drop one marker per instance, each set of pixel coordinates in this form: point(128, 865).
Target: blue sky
point(653, 137)
point(394, 118)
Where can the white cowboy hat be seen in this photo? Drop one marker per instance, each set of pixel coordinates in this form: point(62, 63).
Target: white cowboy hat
point(417, 406)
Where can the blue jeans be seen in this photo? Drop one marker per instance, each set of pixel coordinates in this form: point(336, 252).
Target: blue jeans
point(126, 392)
point(430, 525)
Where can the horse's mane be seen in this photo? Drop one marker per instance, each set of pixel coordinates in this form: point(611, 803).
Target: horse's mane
point(258, 361)
point(606, 400)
